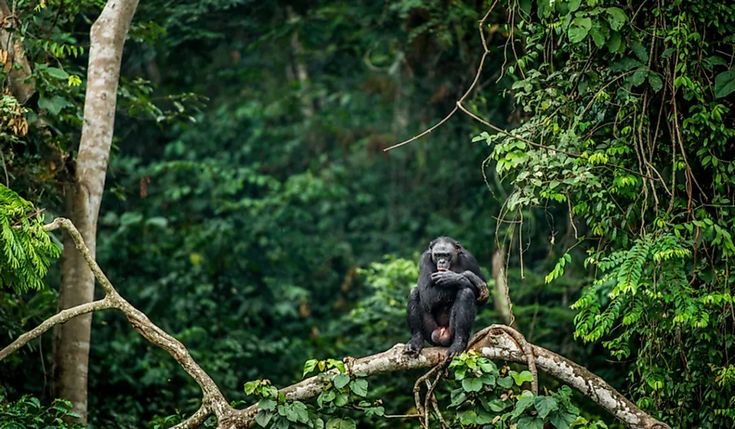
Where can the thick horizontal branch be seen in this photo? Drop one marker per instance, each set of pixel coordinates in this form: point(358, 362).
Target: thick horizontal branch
point(493, 342)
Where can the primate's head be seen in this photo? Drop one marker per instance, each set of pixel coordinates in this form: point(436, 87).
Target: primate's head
point(444, 252)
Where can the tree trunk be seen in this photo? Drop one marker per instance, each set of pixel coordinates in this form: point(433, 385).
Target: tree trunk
point(84, 195)
point(299, 68)
point(501, 293)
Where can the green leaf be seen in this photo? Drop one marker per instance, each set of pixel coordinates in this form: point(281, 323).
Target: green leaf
point(530, 423)
point(54, 104)
point(57, 73)
point(525, 6)
point(625, 64)
point(545, 405)
point(579, 29)
point(522, 377)
point(375, 411)
point(267, 404)
point(359, 387)
point(467, 418)
point(599, 33)
point(562, 419)
point(488, 380)
point(472, 384)
point(640, 51)
point(497, 405)
point(341, 399)
point(458, 396)
point(459, 373)
point(484, 418)
point(614, 42)
point(341, 380)
point(724, 83)
point(544, 8)
point(489, 367)
point(638, 76)
point(263, 418)
point(309, 366)
point(616, 17)
point(505, 382)
point(525, 401)
point(280, 424)
point(301, 412)
point(326, 397)
point(250, 386)
point(336, 423)
point(654, 79)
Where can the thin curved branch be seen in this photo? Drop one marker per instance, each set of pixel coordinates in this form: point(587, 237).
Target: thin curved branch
point(466, 93)
point(195, 420)
point(212, 399)
point(60, 317)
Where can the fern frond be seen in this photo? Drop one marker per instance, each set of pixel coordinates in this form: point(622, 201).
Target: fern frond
point(26, 250)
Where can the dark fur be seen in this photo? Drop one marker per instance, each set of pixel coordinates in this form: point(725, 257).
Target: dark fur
point(442, 306)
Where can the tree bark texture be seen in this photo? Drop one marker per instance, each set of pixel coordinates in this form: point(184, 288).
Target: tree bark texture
point(501, 293)
point(84, 195)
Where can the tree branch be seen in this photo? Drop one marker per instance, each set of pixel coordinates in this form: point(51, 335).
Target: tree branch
point(212, 399)
point(494, 342)
point(60, 317)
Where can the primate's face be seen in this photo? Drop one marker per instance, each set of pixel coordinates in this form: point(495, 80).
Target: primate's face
point(443, 254)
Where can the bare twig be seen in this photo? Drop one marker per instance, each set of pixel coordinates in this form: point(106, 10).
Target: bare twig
point(423, 406)
point(471, 87)
point(460, 106)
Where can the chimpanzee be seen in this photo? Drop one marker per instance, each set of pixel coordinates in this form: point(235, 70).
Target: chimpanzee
point(442, 306)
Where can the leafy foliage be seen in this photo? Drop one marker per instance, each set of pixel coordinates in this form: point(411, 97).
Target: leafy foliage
point(26, 249)
point(28, 413)
point(483, 394)
point(341, 390)
point(628, 123)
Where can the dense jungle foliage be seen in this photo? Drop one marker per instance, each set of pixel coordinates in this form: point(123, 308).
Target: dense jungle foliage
point(251, 211)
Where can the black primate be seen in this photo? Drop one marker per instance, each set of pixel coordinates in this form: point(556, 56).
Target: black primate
point(442, 306)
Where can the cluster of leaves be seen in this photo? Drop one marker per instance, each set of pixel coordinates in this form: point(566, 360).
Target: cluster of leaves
point(26, 249)
point(484, 395)
point(28, 413)
point(628, 125)
point(378, 320)
point(38, 129)
point(341, 390)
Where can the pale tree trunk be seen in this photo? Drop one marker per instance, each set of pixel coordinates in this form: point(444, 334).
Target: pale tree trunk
point(501, 293)
point(84, 195)
point(300, 70)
